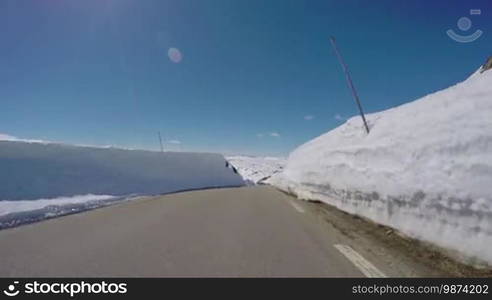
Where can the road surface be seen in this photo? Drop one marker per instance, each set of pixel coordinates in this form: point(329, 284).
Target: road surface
point(252, 231)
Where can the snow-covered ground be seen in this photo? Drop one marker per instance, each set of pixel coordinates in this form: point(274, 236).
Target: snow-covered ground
point(17, 212)
point(425, 168)
point(8, 207)
point(255, 169)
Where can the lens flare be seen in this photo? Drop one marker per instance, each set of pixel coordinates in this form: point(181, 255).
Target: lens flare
point(174, 55)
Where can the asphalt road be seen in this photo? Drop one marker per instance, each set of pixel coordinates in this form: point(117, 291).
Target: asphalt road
point(254, 231)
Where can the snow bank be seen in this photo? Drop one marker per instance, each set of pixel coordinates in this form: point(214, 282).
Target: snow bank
point(6, 137)
point(8, 207)
point(14, 213)
point(255, 170)
point(47, 170)
point(425, 168)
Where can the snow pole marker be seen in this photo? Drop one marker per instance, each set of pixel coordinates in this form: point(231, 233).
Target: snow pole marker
point(349, 81)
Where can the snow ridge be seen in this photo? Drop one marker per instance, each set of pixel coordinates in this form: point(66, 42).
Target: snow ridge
point(425, 168)
point(255, 170)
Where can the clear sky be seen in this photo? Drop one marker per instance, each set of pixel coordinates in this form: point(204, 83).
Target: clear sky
point(253, 77)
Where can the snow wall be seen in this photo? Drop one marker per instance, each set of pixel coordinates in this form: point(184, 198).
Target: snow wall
point(36, 170)
point(255, 170)
point(424, 169)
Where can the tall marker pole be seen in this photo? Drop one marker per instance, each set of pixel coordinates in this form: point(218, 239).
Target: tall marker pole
point(160, 140)
point(350, 83)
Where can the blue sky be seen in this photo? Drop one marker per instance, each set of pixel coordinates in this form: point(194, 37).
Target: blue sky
point(251, 74)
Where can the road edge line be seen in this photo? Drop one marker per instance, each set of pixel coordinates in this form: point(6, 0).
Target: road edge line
point(360, 262)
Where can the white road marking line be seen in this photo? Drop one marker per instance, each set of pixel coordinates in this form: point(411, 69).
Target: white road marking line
point(360, 262)
point(297, 207)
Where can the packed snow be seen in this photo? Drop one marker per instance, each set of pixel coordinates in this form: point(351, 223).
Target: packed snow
point(42, 179)
point(255, 170)
point(7, 137)
point(17, 212)
point(425, 168)
point(8, 207)
point(33, 171)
